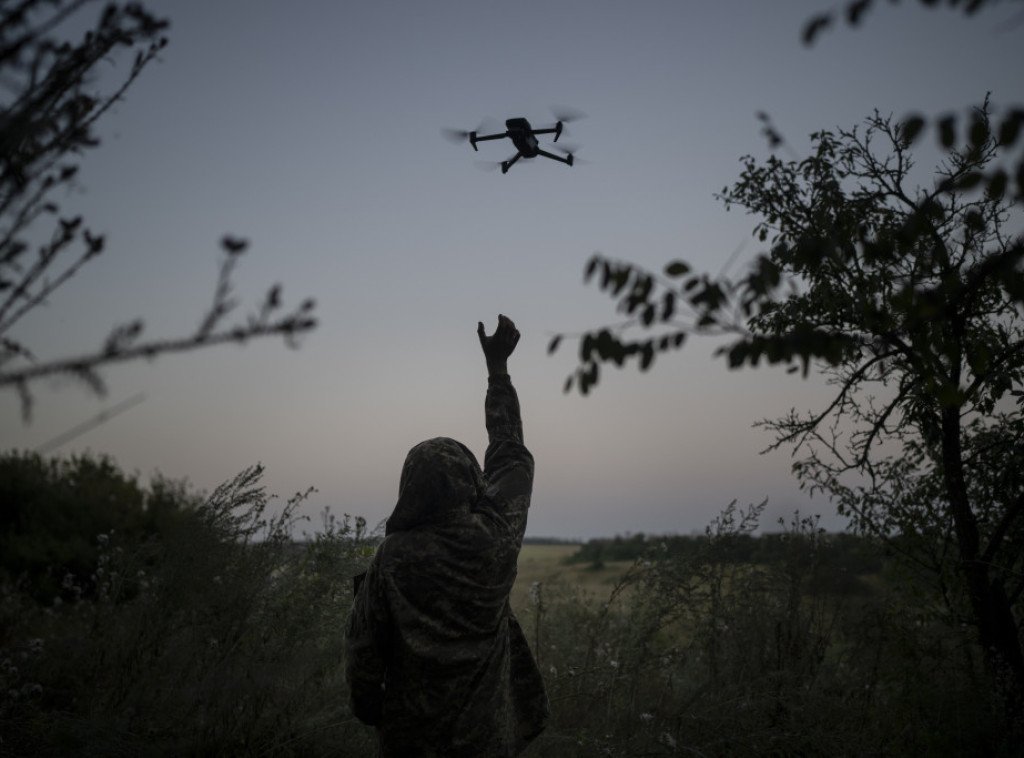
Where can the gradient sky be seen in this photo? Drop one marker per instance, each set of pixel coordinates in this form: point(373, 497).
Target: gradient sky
point(312, 129)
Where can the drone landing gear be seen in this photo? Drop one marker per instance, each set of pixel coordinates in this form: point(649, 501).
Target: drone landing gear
point(506, 165)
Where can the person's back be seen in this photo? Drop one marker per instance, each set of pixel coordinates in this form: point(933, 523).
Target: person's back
point(435, 658)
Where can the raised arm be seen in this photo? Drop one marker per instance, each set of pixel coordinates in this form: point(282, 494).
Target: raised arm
point(508, 465)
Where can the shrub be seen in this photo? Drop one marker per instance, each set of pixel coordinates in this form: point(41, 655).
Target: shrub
point(219, 635)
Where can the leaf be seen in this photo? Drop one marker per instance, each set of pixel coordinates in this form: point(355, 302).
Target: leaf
point(668, 308)
point(970, 180)
point(647, 317)
point(855, 10)
point(646, 355)
point(979, 133)
point(911, 128)
point(947, 131)
point(737, 354)
point(586, 347)
point(677, 268)
point(553, 345)
point(620, 279)
point(814, 27)
point(997, 185)
point(1010, 128)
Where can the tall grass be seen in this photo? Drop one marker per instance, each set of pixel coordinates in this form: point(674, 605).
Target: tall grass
point(220, 637)
point(224, 636)
point(706, 656)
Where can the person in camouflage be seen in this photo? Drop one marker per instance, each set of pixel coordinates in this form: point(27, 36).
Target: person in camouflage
point(435, 658)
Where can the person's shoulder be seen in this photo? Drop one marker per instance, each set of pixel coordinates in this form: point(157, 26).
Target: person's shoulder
point(406, 547)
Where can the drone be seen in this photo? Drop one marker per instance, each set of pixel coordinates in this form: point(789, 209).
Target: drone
point(524, 137)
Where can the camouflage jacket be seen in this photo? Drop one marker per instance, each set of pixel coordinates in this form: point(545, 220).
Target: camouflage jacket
point(434, 656)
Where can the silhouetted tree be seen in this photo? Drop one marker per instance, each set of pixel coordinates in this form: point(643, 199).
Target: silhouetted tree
point(910, 302)
point(51, 104)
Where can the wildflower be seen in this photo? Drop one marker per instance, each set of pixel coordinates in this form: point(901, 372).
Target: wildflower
point(554, 671)
point(103, 538)
point(535, 593)
point(614, 664)
point(646, 717)
point(667, 739)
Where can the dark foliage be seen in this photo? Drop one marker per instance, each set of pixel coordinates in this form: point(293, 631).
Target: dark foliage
point(55, 514)
point(909, 301)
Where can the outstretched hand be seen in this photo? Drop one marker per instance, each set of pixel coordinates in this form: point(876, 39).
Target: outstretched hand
point(499, 346)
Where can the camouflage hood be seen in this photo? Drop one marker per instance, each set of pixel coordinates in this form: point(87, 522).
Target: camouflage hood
point(440, 479)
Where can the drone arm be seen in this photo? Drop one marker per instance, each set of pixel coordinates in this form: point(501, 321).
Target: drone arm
point(474, 139)
point(567, 159)
point(555, 130)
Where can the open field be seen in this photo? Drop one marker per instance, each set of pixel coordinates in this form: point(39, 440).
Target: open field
point(546, 564)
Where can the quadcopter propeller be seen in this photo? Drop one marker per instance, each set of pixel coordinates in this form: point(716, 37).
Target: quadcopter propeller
point(455, 135)
point(570, 150)
point(566, 114)
point(487, 126)
point(492, 165)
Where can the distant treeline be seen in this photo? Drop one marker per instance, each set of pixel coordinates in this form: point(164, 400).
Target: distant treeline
point(550, 541)
point(841, 551)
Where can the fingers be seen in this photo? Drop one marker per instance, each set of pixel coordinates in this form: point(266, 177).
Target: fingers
point(506, 330)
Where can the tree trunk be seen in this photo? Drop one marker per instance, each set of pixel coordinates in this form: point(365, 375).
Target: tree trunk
point(997, 631)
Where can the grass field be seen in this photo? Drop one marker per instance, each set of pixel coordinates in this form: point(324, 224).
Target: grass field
point(546, 564)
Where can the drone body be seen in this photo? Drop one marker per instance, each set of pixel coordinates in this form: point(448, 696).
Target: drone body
point(524, 137)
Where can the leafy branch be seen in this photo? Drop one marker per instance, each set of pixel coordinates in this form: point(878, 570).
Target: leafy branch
point(839, 219)
point(49, 120)
point(124, 342)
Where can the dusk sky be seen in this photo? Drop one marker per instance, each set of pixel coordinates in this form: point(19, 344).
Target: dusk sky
point(313, 129)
